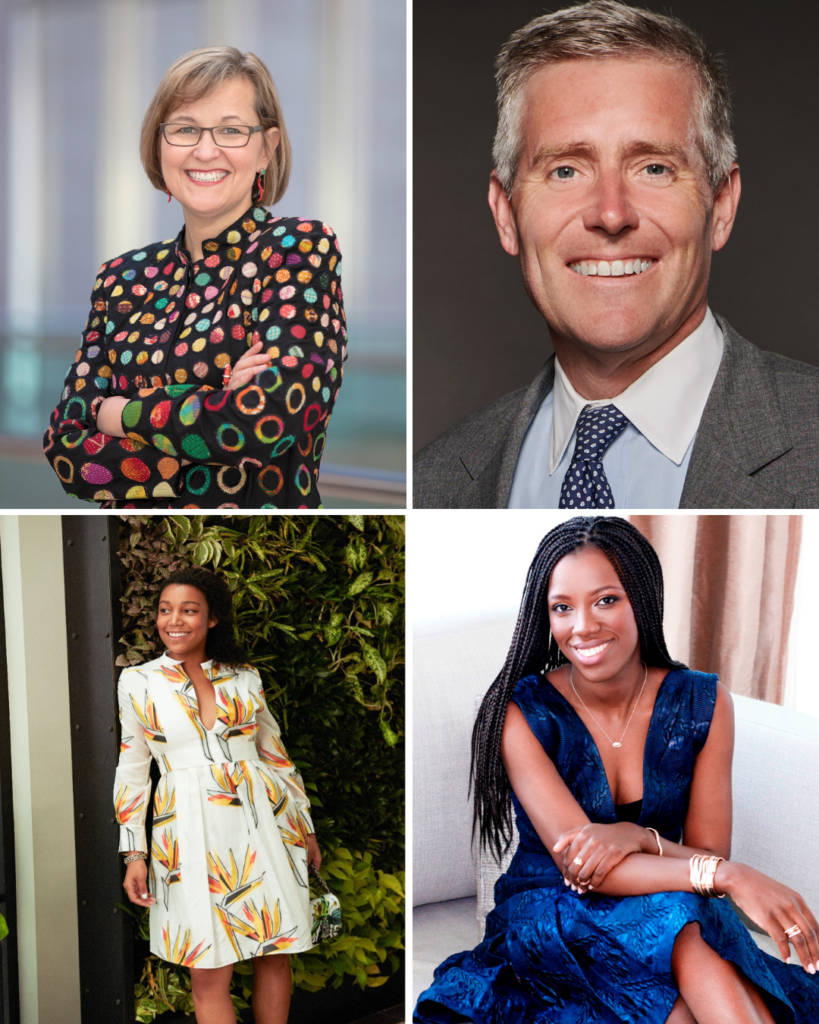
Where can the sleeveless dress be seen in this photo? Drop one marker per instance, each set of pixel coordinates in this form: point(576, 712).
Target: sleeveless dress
point(552, 957)
point(228, 850)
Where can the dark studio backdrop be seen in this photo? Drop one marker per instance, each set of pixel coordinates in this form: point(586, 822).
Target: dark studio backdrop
point(476, 335)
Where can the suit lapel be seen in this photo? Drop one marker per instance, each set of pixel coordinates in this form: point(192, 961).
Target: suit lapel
point(727, 486)
point(493, 478)
point(741, 430)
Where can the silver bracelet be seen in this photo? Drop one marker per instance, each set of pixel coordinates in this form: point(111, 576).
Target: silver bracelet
point(136, 856)
point(656, 835)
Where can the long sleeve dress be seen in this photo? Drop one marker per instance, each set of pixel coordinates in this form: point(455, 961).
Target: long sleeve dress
point(228, 849)
point(161, 331)
point(550, 956)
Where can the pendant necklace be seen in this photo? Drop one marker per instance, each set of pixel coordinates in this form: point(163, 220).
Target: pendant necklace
point(614, 743)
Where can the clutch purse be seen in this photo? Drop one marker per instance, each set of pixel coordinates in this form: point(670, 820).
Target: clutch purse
point(326, 912)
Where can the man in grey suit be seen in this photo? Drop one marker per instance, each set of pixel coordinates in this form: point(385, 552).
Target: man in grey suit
point(615, 179)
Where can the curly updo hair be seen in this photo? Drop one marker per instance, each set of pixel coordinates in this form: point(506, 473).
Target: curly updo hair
point(534, 649)
point(222, 645)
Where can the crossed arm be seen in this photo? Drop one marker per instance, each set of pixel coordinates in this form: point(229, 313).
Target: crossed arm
point(109, 414)
point(622, 859)
point(138, 448)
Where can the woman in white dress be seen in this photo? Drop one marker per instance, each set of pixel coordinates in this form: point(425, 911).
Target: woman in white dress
point(232, 835)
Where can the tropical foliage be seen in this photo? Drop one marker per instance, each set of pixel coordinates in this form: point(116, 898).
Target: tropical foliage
point(320, 605)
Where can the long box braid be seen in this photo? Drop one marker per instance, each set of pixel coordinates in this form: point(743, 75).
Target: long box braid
point(534, 649)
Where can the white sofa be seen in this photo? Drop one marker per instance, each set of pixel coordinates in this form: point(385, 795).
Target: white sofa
point(775, 776)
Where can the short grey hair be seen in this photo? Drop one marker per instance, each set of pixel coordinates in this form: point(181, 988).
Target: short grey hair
point(608, 28)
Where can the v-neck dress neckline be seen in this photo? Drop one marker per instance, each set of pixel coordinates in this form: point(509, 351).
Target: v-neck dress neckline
point(658, 697)
point(552, 954)
point(228, 847)
point(210, 669)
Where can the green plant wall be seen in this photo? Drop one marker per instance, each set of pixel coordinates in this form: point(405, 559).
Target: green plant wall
point(320, 606)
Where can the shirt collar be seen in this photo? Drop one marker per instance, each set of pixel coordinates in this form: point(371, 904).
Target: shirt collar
point(242, 231)
point(665, 404)
point(206, 666)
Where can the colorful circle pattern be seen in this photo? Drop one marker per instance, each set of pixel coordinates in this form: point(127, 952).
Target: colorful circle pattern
point(161, 331)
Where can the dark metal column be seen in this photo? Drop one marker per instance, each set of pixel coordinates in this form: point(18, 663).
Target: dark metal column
point(92, 590)
point(9, 979)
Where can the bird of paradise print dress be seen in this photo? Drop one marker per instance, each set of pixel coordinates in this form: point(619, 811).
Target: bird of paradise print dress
point(228, 851)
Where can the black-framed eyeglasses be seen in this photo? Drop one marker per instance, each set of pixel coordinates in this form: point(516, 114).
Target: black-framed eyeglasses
point(225, 135)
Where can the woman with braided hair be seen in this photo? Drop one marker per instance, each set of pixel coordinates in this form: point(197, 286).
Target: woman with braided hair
point(617, 762)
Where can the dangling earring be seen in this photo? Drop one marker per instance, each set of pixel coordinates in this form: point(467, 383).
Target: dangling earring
point(169, 193)
point(259, 186)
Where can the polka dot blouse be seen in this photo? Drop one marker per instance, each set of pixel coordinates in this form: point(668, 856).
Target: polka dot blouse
point(162, 331)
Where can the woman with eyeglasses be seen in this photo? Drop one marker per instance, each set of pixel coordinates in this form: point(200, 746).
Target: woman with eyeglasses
point(210, 364)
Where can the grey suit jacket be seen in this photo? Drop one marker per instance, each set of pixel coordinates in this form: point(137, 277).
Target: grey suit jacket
point(757, 445)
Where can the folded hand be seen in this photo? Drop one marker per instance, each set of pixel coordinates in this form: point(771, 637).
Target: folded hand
point(591, 851)
point(109, 416)
point(248, 365)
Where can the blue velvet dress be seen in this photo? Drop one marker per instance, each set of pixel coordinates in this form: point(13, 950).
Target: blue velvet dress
point(552, 957)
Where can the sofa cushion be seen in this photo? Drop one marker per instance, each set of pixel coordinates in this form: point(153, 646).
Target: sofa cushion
point(450, 662)
point(438, 931)
point(776, 794)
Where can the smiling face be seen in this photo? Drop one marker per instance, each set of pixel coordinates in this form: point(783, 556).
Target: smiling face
point(183, 622)
point(611, 214)
point(591, 617)
point(214, 183)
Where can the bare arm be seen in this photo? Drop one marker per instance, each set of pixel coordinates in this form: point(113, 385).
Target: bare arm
point(707, 828)
point(709, 819)
point(554, 812)
point(556, 815)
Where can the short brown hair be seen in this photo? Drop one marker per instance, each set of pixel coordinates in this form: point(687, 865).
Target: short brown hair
point(609, 28)
point(194, 75)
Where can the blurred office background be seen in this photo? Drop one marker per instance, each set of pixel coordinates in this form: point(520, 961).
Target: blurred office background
point(76, 78)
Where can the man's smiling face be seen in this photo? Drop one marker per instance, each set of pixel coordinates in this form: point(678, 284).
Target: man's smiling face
point(611, 180)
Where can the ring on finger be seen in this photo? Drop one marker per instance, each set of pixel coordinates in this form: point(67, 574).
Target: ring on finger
point(578, 862)
point(793, 931)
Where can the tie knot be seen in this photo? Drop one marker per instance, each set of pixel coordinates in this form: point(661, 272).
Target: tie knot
point(597, 428)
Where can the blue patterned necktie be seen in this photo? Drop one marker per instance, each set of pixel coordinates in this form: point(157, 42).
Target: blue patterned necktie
point(585, 484)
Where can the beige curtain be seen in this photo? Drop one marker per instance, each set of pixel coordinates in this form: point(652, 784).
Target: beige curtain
point(729, 591)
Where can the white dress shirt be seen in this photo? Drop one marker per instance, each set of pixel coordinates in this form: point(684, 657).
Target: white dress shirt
point(646, 465)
